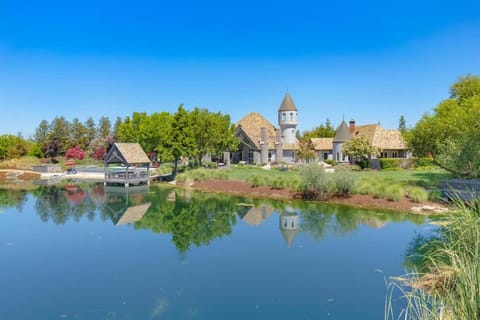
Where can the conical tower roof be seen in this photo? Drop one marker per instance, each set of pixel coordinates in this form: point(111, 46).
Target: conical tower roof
point(288, 236)
point(287, 104)
point(342, 134)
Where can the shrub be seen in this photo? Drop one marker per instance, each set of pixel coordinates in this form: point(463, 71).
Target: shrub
point(364, 186)
point(344, 181)
point(378, 189)
point(423, 162)
point(362, 164)
point(181, 177)
point(257, 180)
point(316, 180)
point(75, 153)
point(394, 192)
point(330, 161)
point(417, 194)
point(390, 163)
point(294, 183)
point(279, 183)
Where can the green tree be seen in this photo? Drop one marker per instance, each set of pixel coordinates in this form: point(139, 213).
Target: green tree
point(305, 151)
point(104, 127)
point(91, 129)
point(451, 134)
point(182, 140)
point(402, 126)
point(58, 140)
point(214, 133)
point(79, 134)
point(359, 148)
point(41, 133)
point(12, 146)
point(325, 130)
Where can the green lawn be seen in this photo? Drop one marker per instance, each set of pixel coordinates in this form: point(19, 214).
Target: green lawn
point(428, 178)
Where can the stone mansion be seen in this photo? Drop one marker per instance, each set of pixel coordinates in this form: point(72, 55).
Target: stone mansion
point(262, 142)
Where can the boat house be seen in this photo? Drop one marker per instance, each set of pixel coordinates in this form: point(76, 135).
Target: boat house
point(126, 163)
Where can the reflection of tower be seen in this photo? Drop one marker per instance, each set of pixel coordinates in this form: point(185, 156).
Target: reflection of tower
point(287, 119)
point(288, 226)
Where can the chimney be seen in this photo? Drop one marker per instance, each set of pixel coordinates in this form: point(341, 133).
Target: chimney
point(352, 126)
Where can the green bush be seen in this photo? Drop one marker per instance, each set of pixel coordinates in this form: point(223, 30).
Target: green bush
point(330, 162)
point(417, 194)
point(279, 183)
point(181, 177)
point(257, 180)
point(364, 186)
point(362, 164)
point(390, 163)
point(394, 192)
point(344, 181)
point(423, 162)
point(294, 183)
point(315, 181)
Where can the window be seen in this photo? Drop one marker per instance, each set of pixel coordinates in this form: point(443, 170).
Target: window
point(325, 155)
point(293, 131)
point(338, 156)
point(284, 116)
point(394, 154)
point(291, 116)
point(250, 155)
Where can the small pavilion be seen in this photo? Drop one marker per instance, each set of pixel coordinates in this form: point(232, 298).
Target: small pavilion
point(126, 163)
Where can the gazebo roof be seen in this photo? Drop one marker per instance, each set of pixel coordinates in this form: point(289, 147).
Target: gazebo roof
point(127, 153)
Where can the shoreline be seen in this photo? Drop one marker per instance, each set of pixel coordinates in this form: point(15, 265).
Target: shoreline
point(242, 188)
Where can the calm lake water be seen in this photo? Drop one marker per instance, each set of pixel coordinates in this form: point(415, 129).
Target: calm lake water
point(89, 252)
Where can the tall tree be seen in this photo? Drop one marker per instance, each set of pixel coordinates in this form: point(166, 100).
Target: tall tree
point(402, 126)
point(91, 129)
point(104, 127)
point(41, 133)
point(79, 134)
point(182, 137)
point(214, 133)
point(58, 140)
point(451, 135)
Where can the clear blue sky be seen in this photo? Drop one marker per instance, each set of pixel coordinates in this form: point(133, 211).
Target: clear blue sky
point(368, 60)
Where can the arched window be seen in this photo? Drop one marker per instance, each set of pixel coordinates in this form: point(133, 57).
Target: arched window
point(284, 116)
point(291, 116)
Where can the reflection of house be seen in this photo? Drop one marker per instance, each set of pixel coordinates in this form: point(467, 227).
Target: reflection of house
point(256, 215)
point(132, 164)
point(127, 205)
point(288, 224)
point(374, 222)
point(390, 142)
point(262, 142)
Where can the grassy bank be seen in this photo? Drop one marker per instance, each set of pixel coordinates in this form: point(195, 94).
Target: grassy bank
point(445, 278)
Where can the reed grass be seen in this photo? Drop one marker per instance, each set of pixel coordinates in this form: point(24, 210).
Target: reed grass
point(450, 287)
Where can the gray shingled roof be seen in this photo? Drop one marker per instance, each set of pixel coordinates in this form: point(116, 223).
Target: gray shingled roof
point(342, 134)
point(287, 104)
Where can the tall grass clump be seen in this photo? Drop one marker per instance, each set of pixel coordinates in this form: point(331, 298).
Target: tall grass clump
point(445, 282)
point(294, 183)
point(279, 183)
point(258, 180)
point(394, 192)
point(344, 182)
point(417, 194)
point(316, 183)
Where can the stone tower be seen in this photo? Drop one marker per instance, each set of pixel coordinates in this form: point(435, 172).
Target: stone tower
point(287, 120)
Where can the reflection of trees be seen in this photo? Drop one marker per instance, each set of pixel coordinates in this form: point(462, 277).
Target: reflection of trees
point(13, 198)
point(196, 220)
point(61, 204)
point(318, 219)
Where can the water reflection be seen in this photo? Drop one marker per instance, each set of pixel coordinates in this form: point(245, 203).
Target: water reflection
point(126, 205)
point(192, 219)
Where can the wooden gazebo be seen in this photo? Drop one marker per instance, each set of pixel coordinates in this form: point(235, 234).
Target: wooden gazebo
point(126, 163)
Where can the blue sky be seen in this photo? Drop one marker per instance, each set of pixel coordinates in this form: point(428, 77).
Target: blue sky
point(368, 60)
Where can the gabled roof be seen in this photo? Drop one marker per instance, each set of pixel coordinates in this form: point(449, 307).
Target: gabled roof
point(257, 215)
point(126, 153)
point(251, 125)
point(342, 134)
point(321, 143)
point(380, 137)
point(287, 104)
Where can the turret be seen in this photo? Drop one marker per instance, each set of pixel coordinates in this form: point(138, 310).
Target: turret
point(288, 120)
